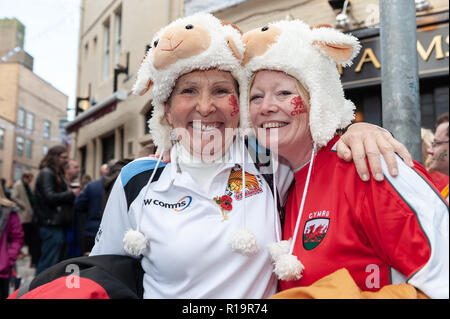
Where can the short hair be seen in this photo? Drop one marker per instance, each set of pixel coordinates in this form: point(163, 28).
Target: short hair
point(27, 175)
point(443, 118)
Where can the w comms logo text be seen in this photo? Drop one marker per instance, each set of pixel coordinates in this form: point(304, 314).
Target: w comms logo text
point(179, 206)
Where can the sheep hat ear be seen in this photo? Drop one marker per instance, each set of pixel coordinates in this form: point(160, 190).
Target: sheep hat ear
point(309, 54)
point(340, 47)
point(197, 42)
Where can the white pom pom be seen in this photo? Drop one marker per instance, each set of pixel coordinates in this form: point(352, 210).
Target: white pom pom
point(134, 242)
point(288, 267)
point(244, 242)
point(279, 248)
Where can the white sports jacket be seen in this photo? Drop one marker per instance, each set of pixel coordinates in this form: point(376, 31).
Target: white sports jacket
point(189, 255)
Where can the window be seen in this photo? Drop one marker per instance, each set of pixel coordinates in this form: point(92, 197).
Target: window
point(118, 38)
point(83, 151)
point(130, 148)
point(108, 148)
point(86, 51)
point(147, 118)
point(47, 126)
point(44, 150)
point(19, 143)
point(2, 138)
point(17, 172)
point(28, 148)
point(21, 118)
point(30, 121)
point(106, 53)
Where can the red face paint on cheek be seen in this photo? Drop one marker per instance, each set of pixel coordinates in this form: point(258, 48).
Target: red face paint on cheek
point(297, 104)
point(232, 100)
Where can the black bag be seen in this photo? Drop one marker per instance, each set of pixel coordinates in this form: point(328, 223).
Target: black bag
point(102, 276)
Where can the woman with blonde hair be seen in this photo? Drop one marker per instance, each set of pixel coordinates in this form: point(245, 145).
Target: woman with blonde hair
point(395, 231)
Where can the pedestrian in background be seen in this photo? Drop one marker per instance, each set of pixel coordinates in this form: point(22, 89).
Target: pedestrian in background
point(88, 207)
point(6, 189)
point(22, 195)
point(72, 243)
point(72, 171)
point(53, 205)
point(105, 168)
point(109, 179)
point(439, 150)
point(84, 180)
point(11, 240)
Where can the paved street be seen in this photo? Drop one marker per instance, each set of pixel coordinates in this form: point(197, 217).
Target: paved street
point(24, 270)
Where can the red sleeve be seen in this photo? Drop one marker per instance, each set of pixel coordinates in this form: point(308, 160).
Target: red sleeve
point(393, 229)
point(406, 220)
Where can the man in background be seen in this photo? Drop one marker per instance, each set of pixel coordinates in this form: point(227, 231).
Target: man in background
point(439, 151)
point(72, 243)
point(53, 204)
point(88, 208)
point(72, 171)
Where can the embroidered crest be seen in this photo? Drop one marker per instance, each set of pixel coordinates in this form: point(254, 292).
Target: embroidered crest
point(235, 187)
point(314, 232)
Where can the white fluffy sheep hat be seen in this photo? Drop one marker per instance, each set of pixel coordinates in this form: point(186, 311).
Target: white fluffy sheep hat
point(197, 42)
point(309, 54)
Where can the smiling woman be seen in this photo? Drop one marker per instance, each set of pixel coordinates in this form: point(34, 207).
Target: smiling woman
point(194, 70)
point(304, 119)
point(215, 246)
point(199, 110)
point(279, 111)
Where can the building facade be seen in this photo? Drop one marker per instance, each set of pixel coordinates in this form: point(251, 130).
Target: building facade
point(362, 81)
point(114, 35)
point(31, 110)
point(111, 122)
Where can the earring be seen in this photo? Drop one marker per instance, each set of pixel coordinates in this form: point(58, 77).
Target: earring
point(173, 135)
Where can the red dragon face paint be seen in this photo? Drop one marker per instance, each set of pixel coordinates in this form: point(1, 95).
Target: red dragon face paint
point(297, 104)
point(234, 104)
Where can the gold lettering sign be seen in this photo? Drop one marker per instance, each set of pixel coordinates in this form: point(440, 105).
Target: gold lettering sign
point(446, 40)
point(436, 47)
point(368, 56)
point(436, 42)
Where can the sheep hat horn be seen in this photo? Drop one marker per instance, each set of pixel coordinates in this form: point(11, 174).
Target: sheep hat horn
point(197, 42)
point(308, 54)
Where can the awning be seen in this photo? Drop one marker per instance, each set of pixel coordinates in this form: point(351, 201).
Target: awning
point(95, 112)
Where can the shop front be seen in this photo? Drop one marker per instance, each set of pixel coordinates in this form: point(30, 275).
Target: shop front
point(362, 81)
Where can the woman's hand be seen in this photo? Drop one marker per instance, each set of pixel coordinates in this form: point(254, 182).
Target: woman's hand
point(367, 140)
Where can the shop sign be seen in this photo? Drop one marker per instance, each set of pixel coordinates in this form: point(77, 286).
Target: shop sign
point(432, 54)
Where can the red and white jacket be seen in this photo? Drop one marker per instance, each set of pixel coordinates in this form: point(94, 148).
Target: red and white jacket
point(382, 232)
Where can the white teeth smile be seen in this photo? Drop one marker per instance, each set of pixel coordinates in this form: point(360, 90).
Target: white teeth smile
point(274, 125)
point(205, 127)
